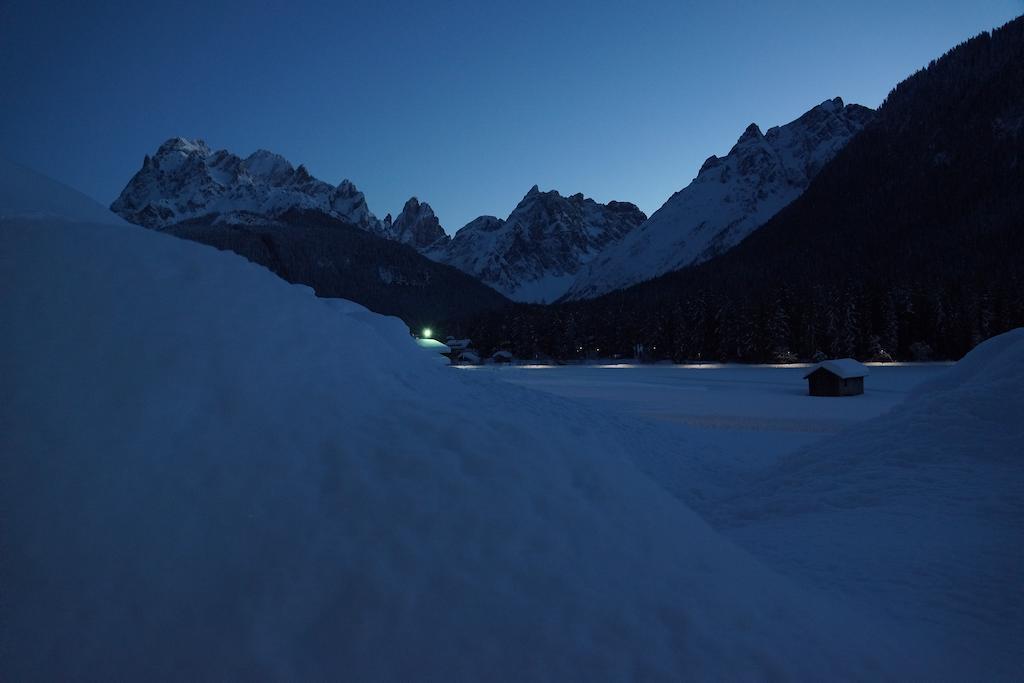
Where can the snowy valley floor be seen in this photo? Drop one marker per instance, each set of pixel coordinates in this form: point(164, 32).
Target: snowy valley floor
point(208, 474)
point(712, 426)
point(745, 414)
point(915, 511)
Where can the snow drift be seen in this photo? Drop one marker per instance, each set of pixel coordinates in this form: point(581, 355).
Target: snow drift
point(920, 511)
point(207, 473)
point(211, 474)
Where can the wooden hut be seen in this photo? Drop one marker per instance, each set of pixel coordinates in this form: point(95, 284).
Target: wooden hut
point(843, 377)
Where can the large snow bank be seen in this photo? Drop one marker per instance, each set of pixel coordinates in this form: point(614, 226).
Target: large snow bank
point(210, 474)
point(920, 511)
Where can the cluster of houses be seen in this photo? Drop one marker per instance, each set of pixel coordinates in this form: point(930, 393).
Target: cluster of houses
point(461, 352)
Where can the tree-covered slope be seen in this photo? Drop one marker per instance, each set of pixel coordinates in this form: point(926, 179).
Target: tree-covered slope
point(908, 244)
point(343, 261)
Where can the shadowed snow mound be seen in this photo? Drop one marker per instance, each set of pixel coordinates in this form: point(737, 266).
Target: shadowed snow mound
point(210, 474)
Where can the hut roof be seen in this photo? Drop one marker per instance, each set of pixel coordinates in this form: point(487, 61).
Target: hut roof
point(433, 345)
point(844, 368)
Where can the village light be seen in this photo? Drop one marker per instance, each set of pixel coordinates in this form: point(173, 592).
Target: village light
point(427, 332)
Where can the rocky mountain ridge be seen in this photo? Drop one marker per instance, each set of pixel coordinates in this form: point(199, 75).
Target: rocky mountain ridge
point(535, 253)
point(730, 198)
point(185, 180)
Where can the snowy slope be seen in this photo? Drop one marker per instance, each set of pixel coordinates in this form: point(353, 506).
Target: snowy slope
point(211, 474)
point(920, 511)
point(27, 194)
point(913, 505)
point(186, 180)
point(535, 254)
point(730, 198)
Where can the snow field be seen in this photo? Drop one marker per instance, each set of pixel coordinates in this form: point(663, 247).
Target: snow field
point(908, 500)
point(208, 473)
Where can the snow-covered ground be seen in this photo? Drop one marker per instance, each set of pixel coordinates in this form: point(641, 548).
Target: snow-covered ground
point(909, 498)
point(735, 417)
point(726, 397)
point(210, 473)
point(207, 473)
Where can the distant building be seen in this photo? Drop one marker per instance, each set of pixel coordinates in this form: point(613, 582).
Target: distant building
point(843, 377)
point(459, 344)
point(467, 358)
point(462, 352)
point(502, 357)
point(440, 350)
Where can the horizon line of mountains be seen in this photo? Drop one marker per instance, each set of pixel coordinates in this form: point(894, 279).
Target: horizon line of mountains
point(550, 247)
point(893, 233)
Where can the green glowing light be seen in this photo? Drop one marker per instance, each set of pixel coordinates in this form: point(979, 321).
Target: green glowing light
point(427, 332)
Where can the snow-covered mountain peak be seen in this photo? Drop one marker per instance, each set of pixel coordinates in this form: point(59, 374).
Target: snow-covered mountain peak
point(417, 226)
point(183, 146)
point(834, 105)
point(347, 201)
point(346, 188)
point(176, 152)
point(482, 224)
point(752, 133)
point(268, 165)
point(186, 180)
point(710, 162)
point(730, 197)
point(535, 253)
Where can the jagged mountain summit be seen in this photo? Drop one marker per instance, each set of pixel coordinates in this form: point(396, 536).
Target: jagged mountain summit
point(731, 197)
point(303, 229)
point(906, 245)
point(550, 246)
point(535, 254)
point(185, 180)
point(416, 226)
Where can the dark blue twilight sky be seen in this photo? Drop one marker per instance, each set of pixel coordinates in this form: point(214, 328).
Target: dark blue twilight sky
point(464, 104)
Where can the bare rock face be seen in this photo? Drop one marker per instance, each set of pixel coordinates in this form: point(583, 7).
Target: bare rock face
point(417, 226)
